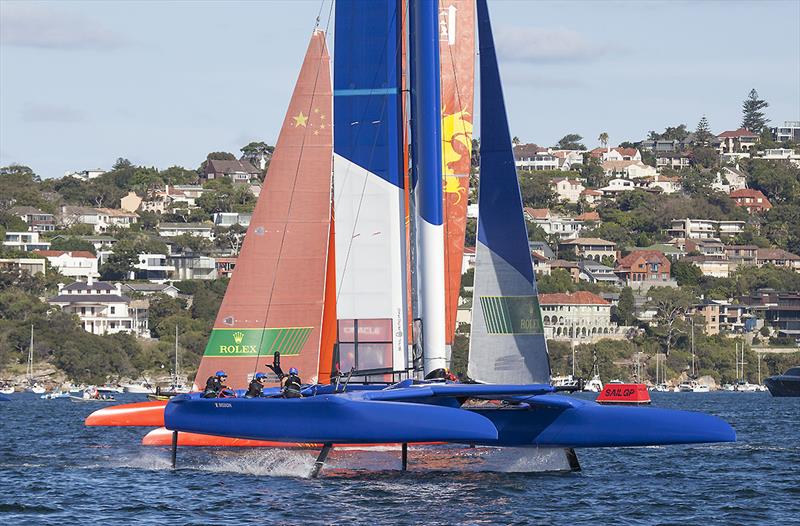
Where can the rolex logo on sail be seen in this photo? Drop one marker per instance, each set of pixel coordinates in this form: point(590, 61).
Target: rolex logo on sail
point(288, 341)
point(238, 347)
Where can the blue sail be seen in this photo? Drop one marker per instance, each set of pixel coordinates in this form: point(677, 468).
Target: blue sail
point(507, 343)
point(369, 194)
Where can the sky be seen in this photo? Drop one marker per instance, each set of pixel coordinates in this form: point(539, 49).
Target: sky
point(164, 83)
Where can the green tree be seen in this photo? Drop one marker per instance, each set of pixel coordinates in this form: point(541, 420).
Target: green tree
point(702, 134)
point(753, 117)
point(696, 181)
point(779, 181)
point(571, 141)
point(686, 273)
point(536, 190)
point(71, 243)
point(603, 139)
point(624, 312)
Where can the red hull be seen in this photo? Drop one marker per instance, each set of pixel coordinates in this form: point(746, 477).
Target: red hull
point(148, 414)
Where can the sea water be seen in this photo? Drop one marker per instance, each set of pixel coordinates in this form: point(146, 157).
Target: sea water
point(54, 470)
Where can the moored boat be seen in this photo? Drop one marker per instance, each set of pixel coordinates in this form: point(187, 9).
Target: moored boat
point(786, 384)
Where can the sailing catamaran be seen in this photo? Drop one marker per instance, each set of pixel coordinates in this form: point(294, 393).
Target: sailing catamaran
point(327, 315)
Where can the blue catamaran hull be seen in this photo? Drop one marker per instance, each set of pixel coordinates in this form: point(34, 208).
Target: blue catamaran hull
point(425, 414)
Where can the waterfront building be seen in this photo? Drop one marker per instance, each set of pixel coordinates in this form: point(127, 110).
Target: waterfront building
point(580, 316)
point(102, 308)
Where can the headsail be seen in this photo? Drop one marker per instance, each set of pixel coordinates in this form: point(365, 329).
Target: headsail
point(275, 299)
point(369, 186)
point(457, 62)
point(507, 344)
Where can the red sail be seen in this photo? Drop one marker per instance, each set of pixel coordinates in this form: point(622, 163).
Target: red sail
point(276, 296)
point(457, 63)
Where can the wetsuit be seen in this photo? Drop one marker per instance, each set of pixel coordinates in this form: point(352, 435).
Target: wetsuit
point(213, 387)
point(254, 390)
point(291, 389)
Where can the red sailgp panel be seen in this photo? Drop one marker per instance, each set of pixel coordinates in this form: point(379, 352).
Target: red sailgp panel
point(457, 59)
point(276, 296)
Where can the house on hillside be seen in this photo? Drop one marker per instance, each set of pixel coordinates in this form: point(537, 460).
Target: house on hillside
point(710, 266)
point(38, 221)
point(100, 219)
point(707, 247)
point(617, 186)
point(534, 157)
point(593, 272)
point(591, 248)
point(30, 266)
point(741, 254)
point(173, 196)
point(705, 228)
point(644, 266)
point(567, 189)
point(72, 263)
point(131, 202)
point(627, 169)
point(102, 308)
point(673, 160)
point(752, 200)
point(730, 178)
point(25, 241)
point(777, 257)
point(736, 141)
point(205, 230)
point(580, 316)
point(85, 175)
point(568, 159)
point(616, 154)
point(150, 289)
point(238, 171)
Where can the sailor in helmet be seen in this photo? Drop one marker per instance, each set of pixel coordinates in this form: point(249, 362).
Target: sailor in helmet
point(215, 385)
point(256, 386)
point(292, 384)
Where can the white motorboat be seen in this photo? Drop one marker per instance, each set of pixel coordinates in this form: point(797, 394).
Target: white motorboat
point(37, 389)
point(111, 389)
point(7, 389)
point(143, 387)
point(661, 388)
point(692, 387)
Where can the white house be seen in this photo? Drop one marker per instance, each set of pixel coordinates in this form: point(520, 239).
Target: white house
point(86, 175)
point(533, 157)
point(152, 267)
point(25, 241)
point(729, 179)
point(194, 229)
point(616, 186)
point(74, 263)
point(567, 189)
point(102, 308)
point(100, 219)
point(616, 154)
point(705, 228)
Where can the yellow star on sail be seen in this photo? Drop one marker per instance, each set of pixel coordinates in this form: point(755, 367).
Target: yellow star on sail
point(300, 119)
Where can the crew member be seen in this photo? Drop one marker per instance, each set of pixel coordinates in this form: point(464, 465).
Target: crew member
point(292, 384)
point(215, 384)
point(256, 386)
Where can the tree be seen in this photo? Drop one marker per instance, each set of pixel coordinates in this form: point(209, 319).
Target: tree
point(670, 305)
point(603, 138)
point(515, 141)
point(702, 134)
point(696, 181)
point(779, 181)
point(623, 313)
point(571, 141)
point(71, 243)
point(753, 117)
point(686, 273)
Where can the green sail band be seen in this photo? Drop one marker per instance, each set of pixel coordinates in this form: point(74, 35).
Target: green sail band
point(512, 314)
point(246, 342)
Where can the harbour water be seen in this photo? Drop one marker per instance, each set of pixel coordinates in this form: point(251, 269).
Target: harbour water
point(53, 470)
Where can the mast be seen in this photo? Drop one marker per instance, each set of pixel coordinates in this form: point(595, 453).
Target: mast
point(175, 380)
point(426, 136)
point(30, 358)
